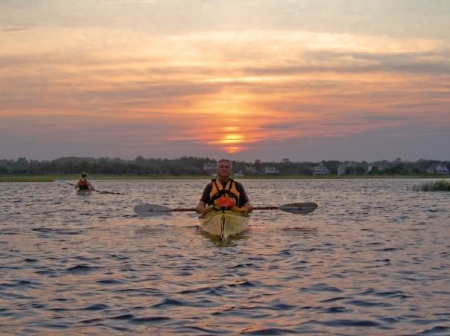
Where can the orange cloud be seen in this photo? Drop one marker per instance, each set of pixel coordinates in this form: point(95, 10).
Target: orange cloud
point(227, 89)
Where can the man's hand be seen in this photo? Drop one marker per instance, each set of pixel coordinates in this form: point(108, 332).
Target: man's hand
point(200, 207)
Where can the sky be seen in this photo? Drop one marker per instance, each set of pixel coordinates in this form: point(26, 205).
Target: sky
point(304, 80)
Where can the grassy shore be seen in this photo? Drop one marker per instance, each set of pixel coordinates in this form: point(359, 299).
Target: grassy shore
point(52, 178)
point(442, 185)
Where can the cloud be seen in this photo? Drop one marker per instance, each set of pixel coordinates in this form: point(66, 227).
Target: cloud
point(184, 90)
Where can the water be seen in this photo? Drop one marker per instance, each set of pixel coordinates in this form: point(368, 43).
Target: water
point(373, 259)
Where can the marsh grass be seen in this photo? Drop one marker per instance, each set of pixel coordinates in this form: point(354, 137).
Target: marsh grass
point(442, 185)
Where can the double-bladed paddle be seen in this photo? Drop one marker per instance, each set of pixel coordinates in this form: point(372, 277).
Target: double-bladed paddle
point(101, 192)
point(151, 210)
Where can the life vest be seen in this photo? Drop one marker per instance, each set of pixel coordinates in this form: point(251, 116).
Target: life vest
point(82, 185)
point(226, 195)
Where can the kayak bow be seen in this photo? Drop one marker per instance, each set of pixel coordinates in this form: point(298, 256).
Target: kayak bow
point(224, 223)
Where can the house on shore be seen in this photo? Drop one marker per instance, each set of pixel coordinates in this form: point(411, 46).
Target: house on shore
point(271, 170)
point(342, 169)
point(210, 167)
point(438, 169)
point(321, 170)
point(239, 173)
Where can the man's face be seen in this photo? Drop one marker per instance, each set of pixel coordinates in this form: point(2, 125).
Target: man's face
point(223, 169)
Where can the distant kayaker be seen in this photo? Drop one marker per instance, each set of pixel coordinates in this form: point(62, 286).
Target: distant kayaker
point(83, 183)
point(224, 192)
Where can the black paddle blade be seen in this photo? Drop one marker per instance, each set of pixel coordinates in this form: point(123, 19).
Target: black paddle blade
point(299, 208)
point(151, 210)
point(108, 192)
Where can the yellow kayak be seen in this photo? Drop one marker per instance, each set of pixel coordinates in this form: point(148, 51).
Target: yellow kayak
point(224, 223)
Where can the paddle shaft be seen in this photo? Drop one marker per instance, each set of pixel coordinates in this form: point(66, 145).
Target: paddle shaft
point(298, 206)
point(148, 210)
point(193, 209)
point(266, 208)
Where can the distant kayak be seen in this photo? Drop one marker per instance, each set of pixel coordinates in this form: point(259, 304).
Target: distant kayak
point(84, 192)
point(224, 223)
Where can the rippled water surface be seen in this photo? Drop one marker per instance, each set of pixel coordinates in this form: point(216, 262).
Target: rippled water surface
point(373, 259)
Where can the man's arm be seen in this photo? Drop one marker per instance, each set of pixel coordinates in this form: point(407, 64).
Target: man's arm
point(245, 205)
point(90, 185)
point(204, 200)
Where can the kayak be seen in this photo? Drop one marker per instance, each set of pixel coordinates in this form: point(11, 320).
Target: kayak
point(224, 223)
point(85, 192)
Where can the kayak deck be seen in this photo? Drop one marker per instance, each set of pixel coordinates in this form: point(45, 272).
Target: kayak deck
point(224, 223)
point(84, 192)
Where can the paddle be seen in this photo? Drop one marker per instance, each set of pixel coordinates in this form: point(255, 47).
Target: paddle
point(151, 210)
point(101, 192)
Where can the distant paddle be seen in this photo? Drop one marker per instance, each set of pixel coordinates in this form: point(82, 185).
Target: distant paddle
point(151, 210)
point(101, 192)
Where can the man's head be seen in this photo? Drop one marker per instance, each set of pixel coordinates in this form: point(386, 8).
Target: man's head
point(83, 175)
point(223, 168)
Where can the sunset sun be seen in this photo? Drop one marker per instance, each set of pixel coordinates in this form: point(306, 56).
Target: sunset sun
point(231, 141)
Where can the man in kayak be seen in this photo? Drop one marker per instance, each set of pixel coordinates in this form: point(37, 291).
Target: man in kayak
point(224, 192)
point(83, 183)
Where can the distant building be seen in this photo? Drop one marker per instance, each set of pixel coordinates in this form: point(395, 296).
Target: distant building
point(342, 169)
point(271, 170)
point(251, 170)
point(438, 169)
point(379, 165)
point(321, 170)
point(239, 173)
point(210, 168)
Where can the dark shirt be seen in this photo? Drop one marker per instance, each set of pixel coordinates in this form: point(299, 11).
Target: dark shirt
point(243, 198)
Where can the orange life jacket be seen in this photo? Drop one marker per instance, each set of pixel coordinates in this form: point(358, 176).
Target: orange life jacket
point(82, 185)
point(226, 195)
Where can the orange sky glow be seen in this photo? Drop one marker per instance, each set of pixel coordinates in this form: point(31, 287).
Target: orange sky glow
point(234, 89)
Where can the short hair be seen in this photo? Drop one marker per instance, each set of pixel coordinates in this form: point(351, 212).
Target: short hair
point(224, 160)
point(83, 174)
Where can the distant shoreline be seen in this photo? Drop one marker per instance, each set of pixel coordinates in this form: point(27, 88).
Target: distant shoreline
point(95, 177)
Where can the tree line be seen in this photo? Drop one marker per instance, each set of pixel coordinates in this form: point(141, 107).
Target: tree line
point(205, 166)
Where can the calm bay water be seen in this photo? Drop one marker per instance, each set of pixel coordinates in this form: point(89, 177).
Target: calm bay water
point(373, 259)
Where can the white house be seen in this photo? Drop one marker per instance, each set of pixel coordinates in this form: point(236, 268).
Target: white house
point(271, 170)
point(321, 170)
point(438, 169)
point(210, 167)
point(342, 169)
point(239, 173)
